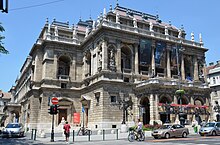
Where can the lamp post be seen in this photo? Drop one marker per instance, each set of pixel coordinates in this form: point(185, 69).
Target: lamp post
point(124, 104)
point(180, 92)
point(167, 109)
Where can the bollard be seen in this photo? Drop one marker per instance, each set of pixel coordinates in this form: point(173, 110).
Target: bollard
point(117, 134)
point(89, 135)
point(73, 135)
point(32, 132)
point(35, 133)
point(103, 134)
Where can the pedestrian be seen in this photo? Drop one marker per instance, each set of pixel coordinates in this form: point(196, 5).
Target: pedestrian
point(66, 128)
point(139, 128)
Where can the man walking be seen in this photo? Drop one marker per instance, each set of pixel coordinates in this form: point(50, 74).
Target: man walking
point(66, 128)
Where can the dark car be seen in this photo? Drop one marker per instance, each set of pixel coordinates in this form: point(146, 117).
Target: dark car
point(168, 130)
point(13, 130)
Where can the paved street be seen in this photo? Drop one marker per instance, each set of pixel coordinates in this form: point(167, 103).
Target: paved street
point(191, 140)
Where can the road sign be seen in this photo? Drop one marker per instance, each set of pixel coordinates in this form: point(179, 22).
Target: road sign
point(54, 100)
point(83, 109)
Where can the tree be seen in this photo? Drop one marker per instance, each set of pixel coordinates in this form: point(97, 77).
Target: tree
point(2, 48)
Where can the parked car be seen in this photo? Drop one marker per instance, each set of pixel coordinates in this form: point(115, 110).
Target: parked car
point(169, 130)
point(210, 128)
point(13, 129)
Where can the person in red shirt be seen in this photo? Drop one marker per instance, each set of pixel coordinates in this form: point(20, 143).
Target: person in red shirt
point(66, 128)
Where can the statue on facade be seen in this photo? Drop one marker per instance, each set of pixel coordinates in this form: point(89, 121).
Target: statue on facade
point(100, 59)
point(151, 26)
point(112, 59)
point(200, 38)
point(135, 22)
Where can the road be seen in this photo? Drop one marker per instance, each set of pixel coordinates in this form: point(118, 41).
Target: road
point(191, 140)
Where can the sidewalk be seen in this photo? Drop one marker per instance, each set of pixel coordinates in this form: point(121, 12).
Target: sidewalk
point(59, 139)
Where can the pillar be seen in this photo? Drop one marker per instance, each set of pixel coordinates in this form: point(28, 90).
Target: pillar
point(136, 59)
point(105, 55)
point(183, 68)
point(153, 71)
point(168, 61)
point(118, 58)
point(196, 77)
point(151, 109)
point(55, 66)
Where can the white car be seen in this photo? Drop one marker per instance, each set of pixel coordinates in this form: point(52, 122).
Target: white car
point(13, 129)
point(210, 128)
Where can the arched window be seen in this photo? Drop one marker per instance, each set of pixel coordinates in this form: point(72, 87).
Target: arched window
point(63, 67)
point(125, 59)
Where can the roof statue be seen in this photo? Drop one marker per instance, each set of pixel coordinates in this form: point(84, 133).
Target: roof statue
point(151, 26)
point(48, 31)
point(180, 33)
point(87, 31)
point(93, 25)
point(104, 13)
point(200, 38)
point(135, 22)
point(74, 32)
point(192, 36)
point(166, 30)
point(117, 18)
point(56, 31)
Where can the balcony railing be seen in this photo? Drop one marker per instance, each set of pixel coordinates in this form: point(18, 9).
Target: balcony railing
point(63, 77)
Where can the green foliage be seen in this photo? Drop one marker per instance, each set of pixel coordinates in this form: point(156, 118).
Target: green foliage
point(2, 48)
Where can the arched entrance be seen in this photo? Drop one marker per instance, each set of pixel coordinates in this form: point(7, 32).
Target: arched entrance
point(145, 110)
point(165, 113)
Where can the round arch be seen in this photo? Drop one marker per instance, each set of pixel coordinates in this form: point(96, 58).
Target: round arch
point(145, 109)
point(165, 99)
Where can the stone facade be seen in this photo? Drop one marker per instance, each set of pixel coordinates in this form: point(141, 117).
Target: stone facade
point(123, 55)
point(213, 78)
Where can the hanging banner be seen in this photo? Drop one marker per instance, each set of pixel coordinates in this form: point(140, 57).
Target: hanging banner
point(76, 118)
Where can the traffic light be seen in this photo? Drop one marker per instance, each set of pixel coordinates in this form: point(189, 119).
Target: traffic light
point(50, 111)
point(53, 109)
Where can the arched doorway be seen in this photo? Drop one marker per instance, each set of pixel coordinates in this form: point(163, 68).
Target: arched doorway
point(165, 113)
point(145, 110)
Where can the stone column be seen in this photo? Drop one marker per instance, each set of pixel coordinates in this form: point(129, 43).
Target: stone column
point(105, 55)
point(55, 66)
point(118, 58)
point(196, 76)
point(157, 118)
point(153, 71)
point(151, 109)
point(168, 61)
point(84, 66)
point(38, 66)
point(136, 59)
point(183, 68)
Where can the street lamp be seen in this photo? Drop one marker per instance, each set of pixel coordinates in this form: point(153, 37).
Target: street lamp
point(180, 92)
point(167, 109)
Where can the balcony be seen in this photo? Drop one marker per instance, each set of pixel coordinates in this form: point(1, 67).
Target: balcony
point(63, 77)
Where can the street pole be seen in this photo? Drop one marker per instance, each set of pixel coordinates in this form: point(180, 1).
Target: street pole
point(52, 132)
point(83, 129)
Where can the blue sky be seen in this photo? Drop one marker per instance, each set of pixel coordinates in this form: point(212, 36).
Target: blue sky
point(23, 25)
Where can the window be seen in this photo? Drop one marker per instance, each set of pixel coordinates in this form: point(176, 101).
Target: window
point(214, 81)
point(63, 85)
point(113, 99)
